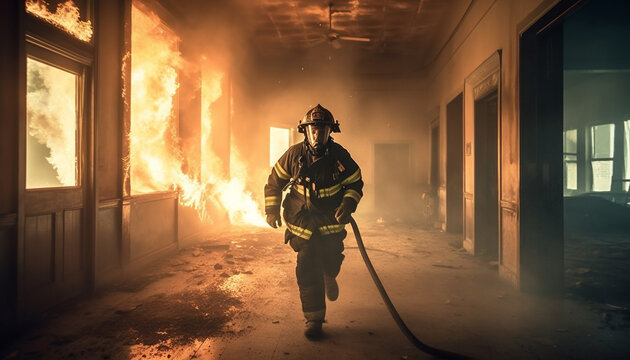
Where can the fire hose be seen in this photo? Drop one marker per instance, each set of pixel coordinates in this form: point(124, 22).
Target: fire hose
point(392, 310)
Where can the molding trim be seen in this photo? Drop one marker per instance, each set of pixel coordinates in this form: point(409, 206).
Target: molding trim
point(110, 203)
point(486, 76)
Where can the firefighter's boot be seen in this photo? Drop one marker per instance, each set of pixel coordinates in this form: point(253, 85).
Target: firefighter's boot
point(332, 289)
point(314, 321)
point(313, 329)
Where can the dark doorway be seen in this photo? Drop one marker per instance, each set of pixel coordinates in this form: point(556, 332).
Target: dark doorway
point(541, 247)
point(454, 165)
point(392, 180)
point(435, 156)
point(433, 215)
point(596, 153)
point(486, 175)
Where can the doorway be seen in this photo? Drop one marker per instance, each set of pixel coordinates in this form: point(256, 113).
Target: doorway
point(392, 180)
point(454, 164)
point(486, 176)
point(54, 262)
point(596, 154)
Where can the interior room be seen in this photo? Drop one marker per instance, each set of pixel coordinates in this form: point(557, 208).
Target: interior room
point(140, 139)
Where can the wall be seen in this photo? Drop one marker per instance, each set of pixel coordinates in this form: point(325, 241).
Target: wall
point(370, 107)
point(9, 35)
point(489, 25)
point(592, 97)
point(108, 118)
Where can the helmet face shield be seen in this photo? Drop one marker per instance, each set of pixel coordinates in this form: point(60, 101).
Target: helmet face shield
point(317, 136)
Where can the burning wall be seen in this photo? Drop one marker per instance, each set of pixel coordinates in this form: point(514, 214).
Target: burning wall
point(156, 160)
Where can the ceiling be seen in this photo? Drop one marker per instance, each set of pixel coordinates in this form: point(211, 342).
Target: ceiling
point(398, 26)
point(417, 29)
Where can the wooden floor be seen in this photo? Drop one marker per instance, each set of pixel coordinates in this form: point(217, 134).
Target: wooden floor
point(235, 297)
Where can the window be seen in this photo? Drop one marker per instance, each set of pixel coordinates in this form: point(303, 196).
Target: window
point(279, 141)
point(51, 126)
point(602, 152)
point(154, 151)
point(569, 151)
point(626, 148)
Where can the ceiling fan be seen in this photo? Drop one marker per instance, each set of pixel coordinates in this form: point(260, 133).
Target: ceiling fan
point(334, 37)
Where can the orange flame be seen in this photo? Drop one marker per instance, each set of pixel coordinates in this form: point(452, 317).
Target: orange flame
point(155, 156)
point(230, 193)
point(66, 17)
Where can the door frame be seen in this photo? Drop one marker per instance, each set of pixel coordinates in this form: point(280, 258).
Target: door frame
point(455, 184)
point(482, 81)
point(42, 38)
point(541, 241)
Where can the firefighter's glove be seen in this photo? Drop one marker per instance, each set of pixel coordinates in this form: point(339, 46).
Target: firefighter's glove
point(343, 212)
point(274, 220)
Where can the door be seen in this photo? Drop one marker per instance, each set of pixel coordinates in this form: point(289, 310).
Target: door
point(53, 249)
point(436, 214)
point(454, 165)
point(486, 176)
point(482, 93)
point(392, 180)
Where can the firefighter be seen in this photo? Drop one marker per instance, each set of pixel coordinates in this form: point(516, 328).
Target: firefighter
point(326, 187)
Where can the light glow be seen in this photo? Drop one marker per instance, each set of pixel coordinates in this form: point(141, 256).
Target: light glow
point(279, 139)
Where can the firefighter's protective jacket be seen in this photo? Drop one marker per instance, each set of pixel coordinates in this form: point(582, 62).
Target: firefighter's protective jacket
point(317, 189)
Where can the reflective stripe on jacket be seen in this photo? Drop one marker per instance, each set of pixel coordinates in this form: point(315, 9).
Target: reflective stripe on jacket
point(317, 192)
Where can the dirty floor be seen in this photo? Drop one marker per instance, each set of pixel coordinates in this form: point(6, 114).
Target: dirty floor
point(234, 296)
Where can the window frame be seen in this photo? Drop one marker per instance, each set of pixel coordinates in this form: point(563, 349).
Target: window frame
point(591, 156)
point(575, 161)
point(625, 181)
point(75, 60)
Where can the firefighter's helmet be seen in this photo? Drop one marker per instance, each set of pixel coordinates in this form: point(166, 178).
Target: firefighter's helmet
point(318, 115)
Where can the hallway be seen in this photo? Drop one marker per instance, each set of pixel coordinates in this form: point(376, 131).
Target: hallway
point(234, 296)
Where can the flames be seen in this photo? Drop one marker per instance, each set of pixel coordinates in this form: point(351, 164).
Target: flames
point(155, 156)
point(65, 17)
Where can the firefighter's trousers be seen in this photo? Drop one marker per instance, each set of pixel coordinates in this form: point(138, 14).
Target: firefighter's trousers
point(315, 257)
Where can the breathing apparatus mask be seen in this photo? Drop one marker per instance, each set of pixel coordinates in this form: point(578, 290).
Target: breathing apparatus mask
point(316, 126)
point(317, 136)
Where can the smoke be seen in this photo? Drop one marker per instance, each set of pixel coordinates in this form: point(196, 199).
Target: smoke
point(52, 121)
point(273, 82)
